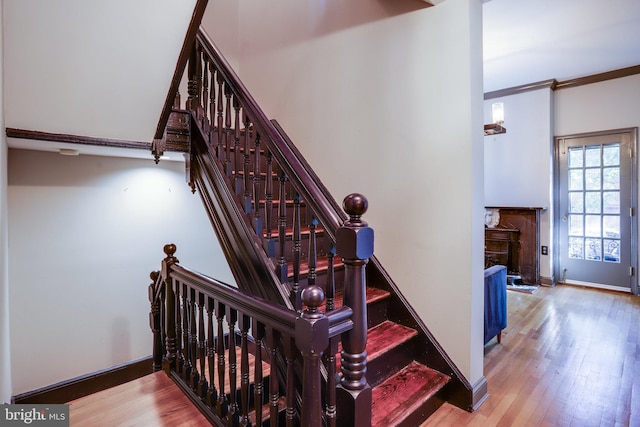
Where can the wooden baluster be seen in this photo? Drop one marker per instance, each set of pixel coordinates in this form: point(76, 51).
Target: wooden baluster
point(313, 255)
point(228, 130)
point(179, 336)
point(330, 286)
point(246, 165)
point(221, 405)
point(354, 243)
point(154, 319)
point(273, 338)
point(202, 349)
point(163, 317)
point(205, 95)
point(244, 324)
point(212, 112)
point(212, 394)
point(268, 205)
point(283, 269)
point(169, 363)
point(258, 332)
point(237, 156)
point(257, 179)
point(330, 355)
point(186, 367)
point(221, 139)
point(198, 99)
point(290, 380)
point(312, 338)
point(232, 416)
point(296, 290)
point(330, 363)
point(192, 83)
point(193, 341)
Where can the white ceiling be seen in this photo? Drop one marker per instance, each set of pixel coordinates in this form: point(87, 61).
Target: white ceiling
point(527, 41)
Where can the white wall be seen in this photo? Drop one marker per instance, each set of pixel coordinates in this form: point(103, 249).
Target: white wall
point(85, 234)
point(95, 68)
point(226, 36)
point(518, 164)
point(386, 99)
point(612, 104)
point(5, 353)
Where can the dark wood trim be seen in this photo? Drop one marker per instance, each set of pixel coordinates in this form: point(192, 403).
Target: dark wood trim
point(545, 84)
point(85, 385)
point(596, 78)
point(75, 139)
point(187, 45)
point(553, 84)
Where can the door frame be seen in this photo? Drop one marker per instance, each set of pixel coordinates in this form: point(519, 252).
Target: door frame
point(634, 201)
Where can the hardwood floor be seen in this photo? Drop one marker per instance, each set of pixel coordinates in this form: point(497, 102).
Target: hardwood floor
point(153, 400)
point(569, 356)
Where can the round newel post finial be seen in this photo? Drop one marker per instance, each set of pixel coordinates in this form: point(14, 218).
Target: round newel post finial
point(312, 297)
point(355, 205)
point(170, 249)
point(154, 276)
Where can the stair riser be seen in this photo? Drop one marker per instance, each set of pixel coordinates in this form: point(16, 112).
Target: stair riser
point(389, 363)
point(417, 417)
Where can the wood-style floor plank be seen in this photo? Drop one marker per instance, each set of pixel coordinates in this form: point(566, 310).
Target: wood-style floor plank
point(569, 356)
point(153, 400)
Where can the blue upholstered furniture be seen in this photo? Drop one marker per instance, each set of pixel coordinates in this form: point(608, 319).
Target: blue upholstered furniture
point(495, 302)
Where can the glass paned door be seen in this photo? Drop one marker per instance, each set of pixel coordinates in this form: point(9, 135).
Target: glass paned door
point(595, 201)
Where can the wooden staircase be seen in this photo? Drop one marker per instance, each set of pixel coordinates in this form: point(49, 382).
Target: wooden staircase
point(278, 228)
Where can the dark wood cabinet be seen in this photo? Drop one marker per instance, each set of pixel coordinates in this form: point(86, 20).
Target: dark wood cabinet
point(502, 247)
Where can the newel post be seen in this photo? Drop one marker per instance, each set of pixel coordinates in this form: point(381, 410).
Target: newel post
point(354, 243)
point(169, 362)
point(312, 338)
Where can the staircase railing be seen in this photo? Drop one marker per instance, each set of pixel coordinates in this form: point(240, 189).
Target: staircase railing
point(189, 313)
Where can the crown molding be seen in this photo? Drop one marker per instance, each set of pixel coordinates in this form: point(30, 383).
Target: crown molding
point(545, 84)
point(553, 84)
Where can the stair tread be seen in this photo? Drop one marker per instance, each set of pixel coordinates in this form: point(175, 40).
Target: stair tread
point(402, 393)
point(372, 295)
point(385, 336)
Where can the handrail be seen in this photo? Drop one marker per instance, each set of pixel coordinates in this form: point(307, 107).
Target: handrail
point(300, 176)
point(281, 318)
